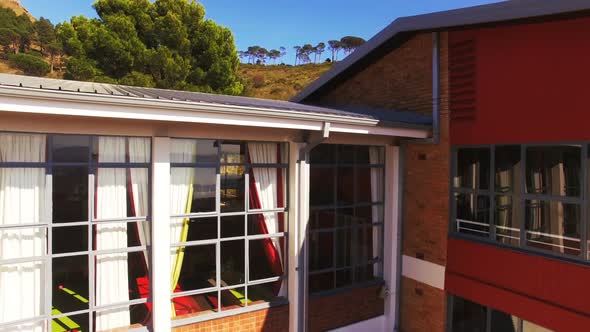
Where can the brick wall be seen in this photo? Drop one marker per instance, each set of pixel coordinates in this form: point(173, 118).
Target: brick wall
point(337, 310)
point(426, 184)
point(271, 319)
point(400, 80)
point(423, 307)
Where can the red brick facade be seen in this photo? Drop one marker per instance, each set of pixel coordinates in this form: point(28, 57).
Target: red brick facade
point(341, 309)
point(272, 319)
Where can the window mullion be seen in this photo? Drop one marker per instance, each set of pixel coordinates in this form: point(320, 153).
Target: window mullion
point(522, 201)
point(584, 205)
point(492, 196)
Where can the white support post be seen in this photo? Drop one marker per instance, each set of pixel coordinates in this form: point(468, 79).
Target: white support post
point(294, 238)
point(303, 243)
point(160, 269)
point(391, 231)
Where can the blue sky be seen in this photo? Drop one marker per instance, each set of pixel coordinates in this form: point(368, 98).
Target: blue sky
point(275, 23)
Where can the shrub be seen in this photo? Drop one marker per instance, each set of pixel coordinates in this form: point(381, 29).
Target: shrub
point(30, 64)
point(258, 81)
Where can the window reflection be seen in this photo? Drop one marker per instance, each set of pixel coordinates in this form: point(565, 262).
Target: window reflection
point(553, 170)
point(473, 168)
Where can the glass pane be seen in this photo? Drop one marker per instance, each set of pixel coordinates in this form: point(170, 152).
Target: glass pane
point(322, 219)
point(468, 316)
point(202, 229)
point(71, 323)
point(232, 263)
point(70, 283)
point(343, 278)
point(473, 215)
point(321, 250)
point(22, 284)
point(112, 198)
point(204, 189)
point(369, 184)
point(553, 170)
point(183, 150)
point(232, 226)
point(118, 235)
point(321, 282)
point(370, 155)
point(343, 247)
point(369, 214)
point(233, 298)
point(267, 223)
point(111, 149)
point(367, 244)
point(268, 188)
point(22, 147)
point(321, 186)
point(23, 242)
point(553, 226)
point(24, 198)
point(531, 327)
point(508, 170)
point(233, 152)
point(508, 219)
point(345, 154)
point(503, 322)
point(140, 149)
point(198, 267)
point(71, 239)
point(323, 154)
point(345, 217)
point(232, 188)
point(120, 277)
point(266, 258)
point(345, 186)
point(264, 292)
point(473, 168)
point(36, 326)
point(70, 194)
point(181, 180)
point(207, 151)
point(70, 148)
point(195, 305)
point(139, 315)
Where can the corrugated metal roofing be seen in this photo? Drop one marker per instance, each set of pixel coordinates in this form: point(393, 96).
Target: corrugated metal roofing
point(172, 95)
point(496, 12)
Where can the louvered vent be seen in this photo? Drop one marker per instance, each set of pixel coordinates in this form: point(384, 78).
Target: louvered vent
point(462, 76)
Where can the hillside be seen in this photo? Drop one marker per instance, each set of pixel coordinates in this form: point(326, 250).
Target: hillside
point(16, 6)
point(278, 82)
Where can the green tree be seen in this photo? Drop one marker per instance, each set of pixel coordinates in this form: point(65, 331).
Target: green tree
point(351, 43)
point(45, 33)
point(29, 64)
point(167, 40)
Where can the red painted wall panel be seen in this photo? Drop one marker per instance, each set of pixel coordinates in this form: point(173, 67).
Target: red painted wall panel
point(532, 83)
point(526, 285)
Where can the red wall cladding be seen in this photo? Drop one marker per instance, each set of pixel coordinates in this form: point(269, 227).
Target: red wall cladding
point(532, 83)
point(546, 291)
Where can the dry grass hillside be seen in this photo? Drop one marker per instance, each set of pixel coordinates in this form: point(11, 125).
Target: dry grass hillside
point(279, 82)
point(16, 6)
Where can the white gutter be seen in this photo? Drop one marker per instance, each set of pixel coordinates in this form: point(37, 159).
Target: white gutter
point(37, 101)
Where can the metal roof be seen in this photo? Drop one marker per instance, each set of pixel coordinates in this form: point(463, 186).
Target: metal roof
point(86, 88)
point(496, 12)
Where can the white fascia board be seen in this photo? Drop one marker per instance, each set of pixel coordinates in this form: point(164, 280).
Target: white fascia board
point(384, 131)
point(27, 100)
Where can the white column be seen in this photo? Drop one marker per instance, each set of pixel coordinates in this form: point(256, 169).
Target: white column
point(160, 269)
point(391, 242)
point(294, 239)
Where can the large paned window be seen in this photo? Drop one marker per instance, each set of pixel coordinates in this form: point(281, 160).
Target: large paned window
point(228, 225)
point(467, 316)
point(73, 231)
point(524, 195)
point(346, 216)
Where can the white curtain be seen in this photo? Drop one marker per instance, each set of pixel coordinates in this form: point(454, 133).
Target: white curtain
point(267, 188)
point(112, 284)
point(376, 196)
point(139, 152)
point(23, 200)
point(181, 178)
